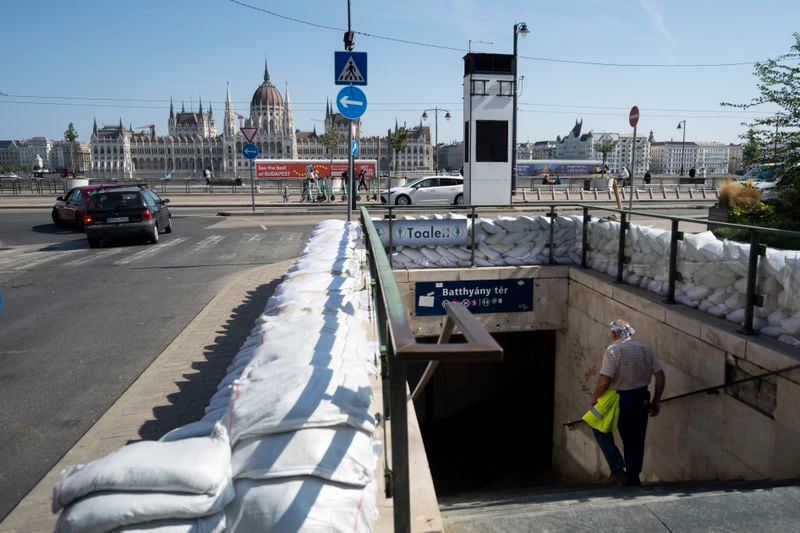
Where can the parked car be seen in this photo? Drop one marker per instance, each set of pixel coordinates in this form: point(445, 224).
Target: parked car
point(126, 212)
point(70, 208)
point(765, 178)
point(430, 190)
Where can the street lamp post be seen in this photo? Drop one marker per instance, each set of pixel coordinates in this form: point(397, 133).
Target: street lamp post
point(436, 130)
point(682, 126)
point(519, 28)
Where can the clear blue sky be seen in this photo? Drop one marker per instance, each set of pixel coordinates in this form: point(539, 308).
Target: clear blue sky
point(153, 50)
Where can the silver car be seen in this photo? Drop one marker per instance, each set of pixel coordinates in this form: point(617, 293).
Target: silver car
point(430, 190)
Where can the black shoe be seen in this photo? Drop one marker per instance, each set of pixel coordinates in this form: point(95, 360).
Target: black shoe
point(619, 478)
point(633, 482)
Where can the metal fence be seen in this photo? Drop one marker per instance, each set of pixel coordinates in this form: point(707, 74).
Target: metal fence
point(755, 234)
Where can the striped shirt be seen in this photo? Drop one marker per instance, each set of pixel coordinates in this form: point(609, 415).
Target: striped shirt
point(630, 364)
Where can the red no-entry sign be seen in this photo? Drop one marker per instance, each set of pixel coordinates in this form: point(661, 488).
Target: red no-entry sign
point(633, 118)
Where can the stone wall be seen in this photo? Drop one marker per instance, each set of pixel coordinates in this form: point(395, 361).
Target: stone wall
point(702, 437)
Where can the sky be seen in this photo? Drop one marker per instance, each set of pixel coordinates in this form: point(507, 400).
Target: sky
point(93, 59)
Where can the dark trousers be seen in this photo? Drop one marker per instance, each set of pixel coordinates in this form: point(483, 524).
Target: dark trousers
point(633, 412)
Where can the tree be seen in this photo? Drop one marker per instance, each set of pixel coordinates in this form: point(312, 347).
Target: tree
point(779, 85)
point(70, 134)
point(399, 141)
point(751, 150)
point(330, 140)
point(605, 146)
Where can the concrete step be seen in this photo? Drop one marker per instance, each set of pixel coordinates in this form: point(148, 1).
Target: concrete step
point(673, 507)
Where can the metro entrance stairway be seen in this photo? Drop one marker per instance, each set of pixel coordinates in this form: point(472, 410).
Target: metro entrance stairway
point(718, 506)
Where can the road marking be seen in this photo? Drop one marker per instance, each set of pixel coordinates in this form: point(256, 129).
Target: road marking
point(154, 249)
point(101, 254)
point(263, 227)
point(30, 260)
point(253, 237)
point(208, 241)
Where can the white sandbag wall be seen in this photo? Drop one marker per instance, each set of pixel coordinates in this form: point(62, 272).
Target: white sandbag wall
point(713, 272)
point(293, 416)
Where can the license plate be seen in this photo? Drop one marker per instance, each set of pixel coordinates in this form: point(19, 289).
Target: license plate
point(112, 220)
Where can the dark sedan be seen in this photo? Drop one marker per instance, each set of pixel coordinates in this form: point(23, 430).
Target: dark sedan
point(126, 212)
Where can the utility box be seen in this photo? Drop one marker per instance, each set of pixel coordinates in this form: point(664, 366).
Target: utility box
point(488, 122)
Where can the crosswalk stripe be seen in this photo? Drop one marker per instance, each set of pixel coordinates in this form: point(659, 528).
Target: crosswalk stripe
point(33, 259)
point(205, 243)
point(101, 254)
point(152, 250)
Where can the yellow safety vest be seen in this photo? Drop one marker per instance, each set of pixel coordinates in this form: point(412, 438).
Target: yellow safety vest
point(605, 413)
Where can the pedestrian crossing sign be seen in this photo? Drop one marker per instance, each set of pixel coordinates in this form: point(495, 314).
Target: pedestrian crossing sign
point(350, 68)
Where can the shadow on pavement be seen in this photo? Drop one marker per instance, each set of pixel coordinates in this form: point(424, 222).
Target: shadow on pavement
point(197, 388)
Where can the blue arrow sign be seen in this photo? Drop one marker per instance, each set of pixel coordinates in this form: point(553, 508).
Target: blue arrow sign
point(352, 102)
point(250, 151)
point(354, 147)
point(350, 68)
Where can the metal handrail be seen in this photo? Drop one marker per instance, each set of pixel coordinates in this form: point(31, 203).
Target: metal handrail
point(711, 390)
point(398, 347)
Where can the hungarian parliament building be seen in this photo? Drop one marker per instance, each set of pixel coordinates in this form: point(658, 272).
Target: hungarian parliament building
point(193, 145)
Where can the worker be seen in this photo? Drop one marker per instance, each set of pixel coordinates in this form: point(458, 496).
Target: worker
point(628, 366)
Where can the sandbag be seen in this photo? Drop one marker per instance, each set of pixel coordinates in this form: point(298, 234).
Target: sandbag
point(302, 504)
point(199, 428)
point(278, 397)
point(206, 524)
point(104, 511)
point(197, 465)
point(341, 453)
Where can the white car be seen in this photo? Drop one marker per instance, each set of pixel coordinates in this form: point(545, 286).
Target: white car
point(430, 190)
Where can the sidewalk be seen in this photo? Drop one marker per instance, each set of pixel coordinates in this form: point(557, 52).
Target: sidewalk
point(172, 391)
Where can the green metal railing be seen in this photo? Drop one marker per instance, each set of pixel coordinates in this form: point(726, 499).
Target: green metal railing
point(398, 347)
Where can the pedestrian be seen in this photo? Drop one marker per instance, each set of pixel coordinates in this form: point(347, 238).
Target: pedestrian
point(285, 193)
point(647, 178)
point(344, 185)
point(546, 179)
point(558, 180)
point(625, 176)
point(305, 190)
point(362, 180)
point(628, 366)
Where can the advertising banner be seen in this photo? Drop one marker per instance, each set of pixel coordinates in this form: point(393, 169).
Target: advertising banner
point(287, 169)
point(555, 166)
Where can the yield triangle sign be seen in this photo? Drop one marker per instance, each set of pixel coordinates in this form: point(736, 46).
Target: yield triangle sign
point(249, 132)
point(350, 72)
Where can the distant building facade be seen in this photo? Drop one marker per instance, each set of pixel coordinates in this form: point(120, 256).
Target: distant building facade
point(578, 145)
point(193, 144)
point(667, 157)
point(9, 155)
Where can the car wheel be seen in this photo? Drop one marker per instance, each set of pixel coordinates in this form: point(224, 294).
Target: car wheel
point(459, 199)
point(402, 200)
point(56, 219)
point(168, 229)
point(93, 242)
point(154, 234)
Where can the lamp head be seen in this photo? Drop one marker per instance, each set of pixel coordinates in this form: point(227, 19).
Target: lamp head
point(680, 125)
point(424, 115)
point(522, 29)
point(447, 115)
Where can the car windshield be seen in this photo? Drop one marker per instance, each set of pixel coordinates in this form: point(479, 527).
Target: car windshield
point(111, 200)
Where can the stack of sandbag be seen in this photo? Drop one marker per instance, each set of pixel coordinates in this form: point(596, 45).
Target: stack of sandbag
point(297, 395)
point(504, 241)
point(302, 433)
point(155, 486)
point(713, 274)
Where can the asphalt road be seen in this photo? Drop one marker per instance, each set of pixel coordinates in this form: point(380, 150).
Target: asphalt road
point(78, 326)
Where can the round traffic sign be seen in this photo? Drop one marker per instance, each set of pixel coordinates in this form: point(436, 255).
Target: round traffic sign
point(250, 151)
point(633, 118)
point(352, 102)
